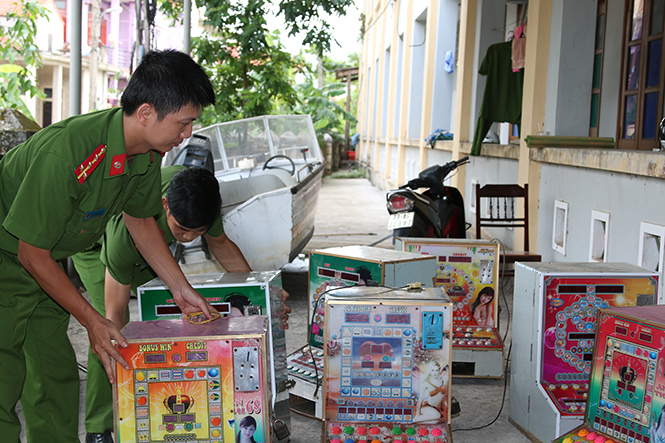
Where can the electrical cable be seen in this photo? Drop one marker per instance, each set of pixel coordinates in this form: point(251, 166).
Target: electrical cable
point(502, 271)
point(502, 267)
point(503, 398)
point(381, 240)
point(376, 19)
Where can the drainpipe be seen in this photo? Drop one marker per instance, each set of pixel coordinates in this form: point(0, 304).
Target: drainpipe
point(75, 58)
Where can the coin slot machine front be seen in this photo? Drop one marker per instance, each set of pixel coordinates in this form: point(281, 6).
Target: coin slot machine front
point(627, 386)
point(345, 266)
point(559, 304)
point(570, 332)
point(387, 365)
point(468, 270)
point(199, 383)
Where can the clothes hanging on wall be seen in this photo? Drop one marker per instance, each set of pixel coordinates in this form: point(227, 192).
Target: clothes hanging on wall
point(502, 99)
point(519, 48)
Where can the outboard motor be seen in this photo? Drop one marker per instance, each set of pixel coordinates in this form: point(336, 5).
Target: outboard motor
point(197, 152)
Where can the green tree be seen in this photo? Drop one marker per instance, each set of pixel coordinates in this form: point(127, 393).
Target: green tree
point(309, 17)
point(249, 67)
point(327, 104)
point(18, 48)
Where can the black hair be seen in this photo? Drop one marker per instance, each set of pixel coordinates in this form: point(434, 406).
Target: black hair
point(487, 290)
point(238, 301)
point(245, 423)
point(168, 80)
point(364, 273)
point(193, 198)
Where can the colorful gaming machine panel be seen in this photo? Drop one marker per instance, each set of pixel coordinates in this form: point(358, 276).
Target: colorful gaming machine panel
point(465, 269)
point(193, 382)
point(569, 321)
point(468, 271)
point(360, 266)
point(387, 364)
point(627, 387)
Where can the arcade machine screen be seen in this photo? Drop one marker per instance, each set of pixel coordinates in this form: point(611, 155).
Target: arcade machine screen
point(387, 365)
point(627, 389)
point(569, 326)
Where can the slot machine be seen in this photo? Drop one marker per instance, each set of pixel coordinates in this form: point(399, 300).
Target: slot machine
point(555, 308)
point(346, 266)
point(194, 382)
point(387, 365)
point(469, 272)
point(627, 388)
point(234, 294)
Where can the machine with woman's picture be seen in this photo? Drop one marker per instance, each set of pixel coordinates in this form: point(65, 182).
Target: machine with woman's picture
point(208, 383)
point(627, 387)
point(387, 365)
point(468, 270)
point(233, 295)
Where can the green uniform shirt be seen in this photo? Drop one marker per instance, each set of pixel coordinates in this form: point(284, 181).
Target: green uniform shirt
point(119, 253)
point(502, 100)
point(57, 196)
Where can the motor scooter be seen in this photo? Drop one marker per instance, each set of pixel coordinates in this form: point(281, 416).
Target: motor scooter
point(435, 212)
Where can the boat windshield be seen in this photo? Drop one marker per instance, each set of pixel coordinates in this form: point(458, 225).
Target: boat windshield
point(261, 138)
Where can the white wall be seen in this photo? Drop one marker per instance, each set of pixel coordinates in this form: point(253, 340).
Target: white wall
point(628, 198)
point(570, 68)
point(443, 103)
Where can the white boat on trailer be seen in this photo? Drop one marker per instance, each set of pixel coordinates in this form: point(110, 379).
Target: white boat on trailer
point(269, 169)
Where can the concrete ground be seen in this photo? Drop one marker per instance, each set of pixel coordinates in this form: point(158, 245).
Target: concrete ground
point(353, 212)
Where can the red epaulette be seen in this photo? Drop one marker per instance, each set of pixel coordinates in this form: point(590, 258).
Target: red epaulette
point(83, 170)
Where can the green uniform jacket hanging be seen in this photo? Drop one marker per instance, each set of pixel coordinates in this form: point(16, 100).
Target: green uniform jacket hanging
point(502, 100)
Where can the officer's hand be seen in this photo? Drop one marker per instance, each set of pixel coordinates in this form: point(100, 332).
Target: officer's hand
point(190, 301)
point(100, 333)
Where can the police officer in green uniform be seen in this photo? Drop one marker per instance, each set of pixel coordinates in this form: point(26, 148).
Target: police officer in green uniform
point(58, 190)
point(191, 207)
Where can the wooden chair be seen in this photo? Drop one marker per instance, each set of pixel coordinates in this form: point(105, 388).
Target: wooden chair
point(501, 203)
